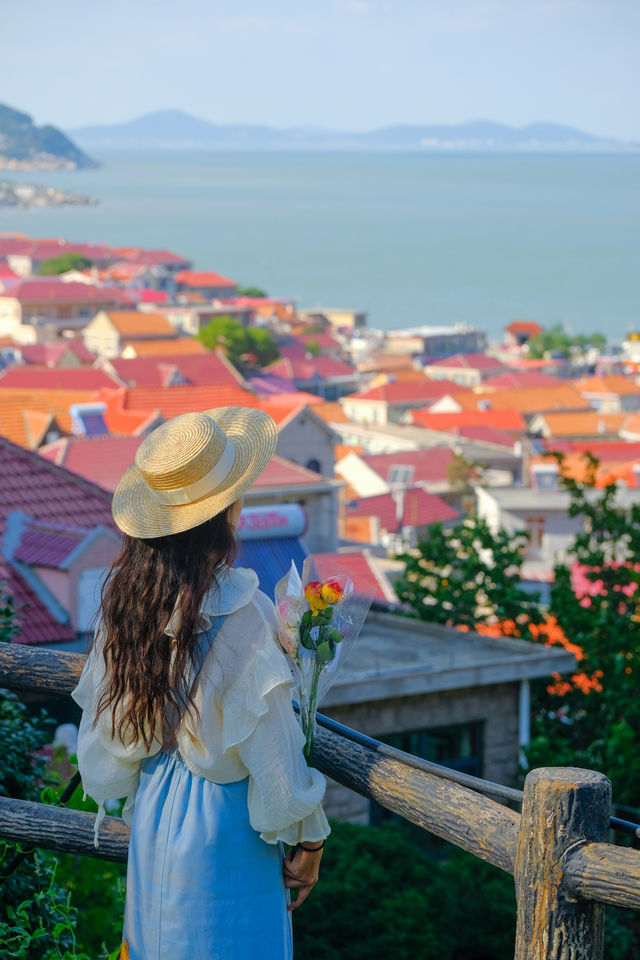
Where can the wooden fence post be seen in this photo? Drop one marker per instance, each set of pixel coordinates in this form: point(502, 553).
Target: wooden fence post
point(563, 808)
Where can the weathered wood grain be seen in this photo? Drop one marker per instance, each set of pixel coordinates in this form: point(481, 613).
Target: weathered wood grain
point(66, 831)
point(33, 669)
point(563, 807)
point(604, 873)
point(464, 818)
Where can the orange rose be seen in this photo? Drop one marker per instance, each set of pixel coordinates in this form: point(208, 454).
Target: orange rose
point(332, 590)
point(314, 597)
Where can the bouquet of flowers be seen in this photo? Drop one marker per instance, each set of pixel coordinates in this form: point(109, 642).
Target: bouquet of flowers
point(318, 621)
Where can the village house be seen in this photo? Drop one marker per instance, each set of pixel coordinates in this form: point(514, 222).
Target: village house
point(520, 332)
point(161, 266)
point(432, 342)
point(577, 426)
point(27, 256)
point(395, 520)
point(543, 512)
point(212, 286)
point(110, 330)
point(325, 376)
point(56, 353)
point(610, 394)
point(339, 319)
point(465, 369)
point(303, 437)
point(528, 401)
point(388, 402)
point(43, 308)
point(458, 699)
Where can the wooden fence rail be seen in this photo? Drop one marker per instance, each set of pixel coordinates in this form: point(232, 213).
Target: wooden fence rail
point(564, 871)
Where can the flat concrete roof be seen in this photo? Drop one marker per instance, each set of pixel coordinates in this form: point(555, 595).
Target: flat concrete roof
point(396, 656)
point(527, 498)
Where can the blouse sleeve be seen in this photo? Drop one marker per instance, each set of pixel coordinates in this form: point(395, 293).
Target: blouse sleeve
point(285, 795)
point(109, 768)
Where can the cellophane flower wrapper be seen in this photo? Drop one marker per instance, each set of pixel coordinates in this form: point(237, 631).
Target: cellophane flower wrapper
point(318, 623)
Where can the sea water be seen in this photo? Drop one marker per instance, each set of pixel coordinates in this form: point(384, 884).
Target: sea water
point(411, 238)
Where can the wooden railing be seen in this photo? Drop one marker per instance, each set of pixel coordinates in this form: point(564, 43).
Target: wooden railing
point(565, 871)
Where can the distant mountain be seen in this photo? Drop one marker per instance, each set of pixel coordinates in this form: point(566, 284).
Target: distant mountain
point(174, 129)
point(22, 144)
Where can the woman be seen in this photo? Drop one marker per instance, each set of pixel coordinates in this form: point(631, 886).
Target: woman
point(186, 701)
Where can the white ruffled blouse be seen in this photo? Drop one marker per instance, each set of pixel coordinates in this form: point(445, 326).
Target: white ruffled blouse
point(246, 722)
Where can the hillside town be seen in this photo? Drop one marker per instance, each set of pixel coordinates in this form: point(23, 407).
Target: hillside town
point(380, 435)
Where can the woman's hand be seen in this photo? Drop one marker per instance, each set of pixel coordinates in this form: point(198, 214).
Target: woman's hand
point(301, 869)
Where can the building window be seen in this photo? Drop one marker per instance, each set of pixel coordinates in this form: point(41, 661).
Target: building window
point(314, 465)
point(400, 475)
point(458, 747)
point(535, 528)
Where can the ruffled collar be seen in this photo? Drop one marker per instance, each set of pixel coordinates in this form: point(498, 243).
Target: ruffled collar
point(234, 589)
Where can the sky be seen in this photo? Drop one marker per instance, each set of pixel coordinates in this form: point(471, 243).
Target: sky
point(342, 64)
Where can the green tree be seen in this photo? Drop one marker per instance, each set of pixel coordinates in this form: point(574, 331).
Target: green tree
point(252, 292)
point(63, 263)
point(592, 719)
point(467, 575)
point(246, 347)
point(312, 347)
point(557, 342)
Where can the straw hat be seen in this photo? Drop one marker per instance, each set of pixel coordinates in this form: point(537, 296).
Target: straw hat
point(192, 468)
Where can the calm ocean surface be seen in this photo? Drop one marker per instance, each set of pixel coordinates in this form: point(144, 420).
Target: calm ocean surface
point(411, 238)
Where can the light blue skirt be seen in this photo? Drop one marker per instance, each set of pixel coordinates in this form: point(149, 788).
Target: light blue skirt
point(201, 884)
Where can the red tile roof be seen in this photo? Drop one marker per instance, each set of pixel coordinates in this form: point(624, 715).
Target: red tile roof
point(468, 361)
point(101, 460)
point(203, 278)
point(138, 323)
point(419, 509)
point(172, 401)
point(407, 391)
point(51, 290)
point(357, 566)
point(486, 435)
point(208, 369)
point(6, 273)
point(497, 419)
point(34, 377)
point(301, 367)
point(48, 544)
point(283, 473)
point(429, 465)
point(53, 495)
point(616, 384)
point(517, 381)
point(525, 326)
point(150, 258)
point(49, 353)
point(161, 350)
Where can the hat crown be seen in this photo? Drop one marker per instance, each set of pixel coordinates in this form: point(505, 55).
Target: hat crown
point(180, 452)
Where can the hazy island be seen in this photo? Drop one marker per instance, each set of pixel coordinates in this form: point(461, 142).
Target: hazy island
point(23, 146)
point(25, 195)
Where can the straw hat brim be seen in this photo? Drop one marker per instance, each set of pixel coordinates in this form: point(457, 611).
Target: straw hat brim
point(253, 434)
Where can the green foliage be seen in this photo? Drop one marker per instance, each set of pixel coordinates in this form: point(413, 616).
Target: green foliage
point(21, 735)
point(251, 292)
point(9, 625)
point(381, 896)
point(595, 722)
point(312, 347)
point(556, 342)
point(467, 575)
point(246, 347)
point(63, 263)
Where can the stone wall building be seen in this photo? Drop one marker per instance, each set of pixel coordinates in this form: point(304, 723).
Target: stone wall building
point(458, 699)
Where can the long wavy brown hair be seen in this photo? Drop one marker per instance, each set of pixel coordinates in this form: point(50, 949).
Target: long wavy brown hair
point(147, 673)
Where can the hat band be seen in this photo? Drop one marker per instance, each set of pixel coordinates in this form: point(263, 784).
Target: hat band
point(180, 496)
